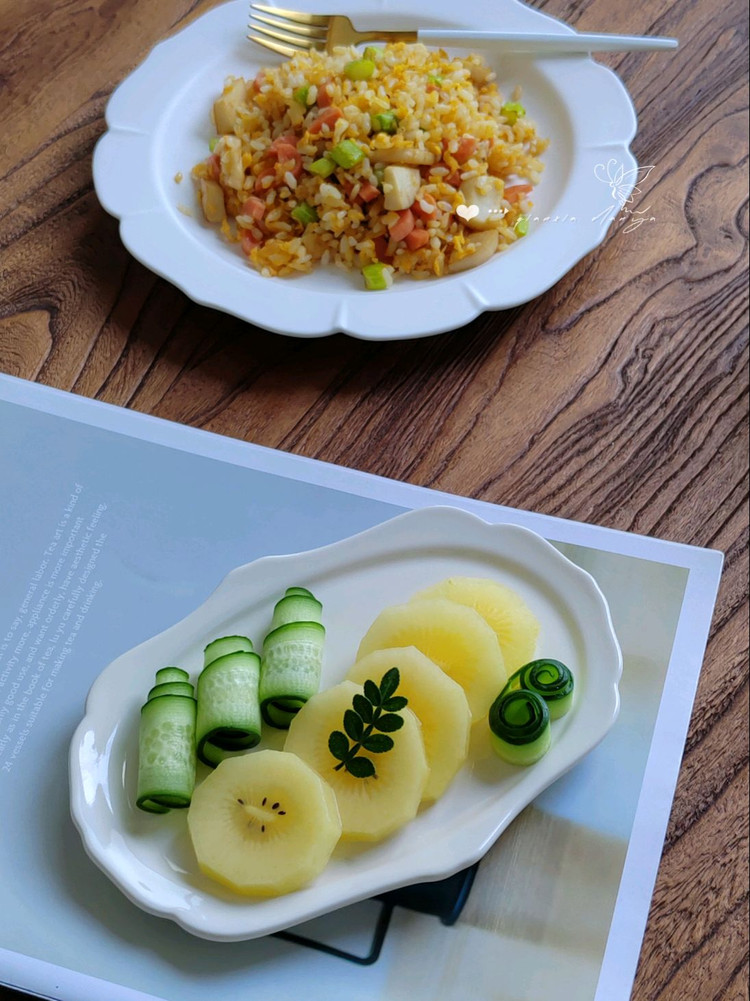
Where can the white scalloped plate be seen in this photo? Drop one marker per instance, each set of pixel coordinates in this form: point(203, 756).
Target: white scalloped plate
point(158, 123)
point(150, 858)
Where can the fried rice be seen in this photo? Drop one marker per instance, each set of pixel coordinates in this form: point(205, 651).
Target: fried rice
point(301, 170)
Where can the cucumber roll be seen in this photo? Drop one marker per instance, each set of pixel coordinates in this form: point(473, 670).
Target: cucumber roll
point(165, 674)
point(166, 745)
point(292, 657)
point(228, 717)
point(296, 606)
point(549, 679)
point(519, 726)
point(171, 688)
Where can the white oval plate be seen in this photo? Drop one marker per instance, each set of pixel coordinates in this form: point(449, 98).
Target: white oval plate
point(150, 858)
point(158, 123)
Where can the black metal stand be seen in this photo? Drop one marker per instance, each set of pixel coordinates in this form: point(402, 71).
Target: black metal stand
point(445, 899)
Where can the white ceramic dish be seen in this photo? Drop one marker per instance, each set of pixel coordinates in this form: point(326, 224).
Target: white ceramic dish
point(150, 858)
point(158, 125)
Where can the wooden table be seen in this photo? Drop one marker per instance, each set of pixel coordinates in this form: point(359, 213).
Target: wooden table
point(617, 398)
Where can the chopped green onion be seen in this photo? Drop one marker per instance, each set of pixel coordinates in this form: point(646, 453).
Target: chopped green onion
point(521, 228)
point(372, 52)
point(346, 154)
point(386, 121)
point(300, 95)
point(377, 277)
point(435, 79)
point(323, 167)
point(512, 111)
point(212, 143)
point(304, 213)
point(359, 69)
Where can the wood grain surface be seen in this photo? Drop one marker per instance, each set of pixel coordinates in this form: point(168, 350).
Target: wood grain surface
point(618, 398)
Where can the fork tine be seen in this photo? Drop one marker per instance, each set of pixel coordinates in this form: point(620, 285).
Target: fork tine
point(320, 20)
point(297, 41)
point(299, 29)
point(283, 50)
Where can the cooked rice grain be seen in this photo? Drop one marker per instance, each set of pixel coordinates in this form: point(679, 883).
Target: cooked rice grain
point(433, 119)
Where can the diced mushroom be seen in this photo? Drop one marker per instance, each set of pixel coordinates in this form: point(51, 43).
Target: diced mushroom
point(400, 187)
point(230, 155)
point(330, 192)
point(484, 245)
point(479, 70)
point(403, 155)
point(485, 194)
point(296, 113)
point(226, 107)
point(212, 201)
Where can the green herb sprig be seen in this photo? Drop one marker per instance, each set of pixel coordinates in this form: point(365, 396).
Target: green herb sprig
point(376, 710)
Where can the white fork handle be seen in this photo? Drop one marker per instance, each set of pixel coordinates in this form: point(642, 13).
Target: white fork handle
point(501, 41)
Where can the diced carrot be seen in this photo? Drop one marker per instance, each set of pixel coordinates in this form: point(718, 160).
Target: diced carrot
point(403, 226)
point(248, 242)
point(417, 238)
point(381, 248)
point(266, 172)
point(347, 187)
point(516, 192)
point(328, 117)
point(324, 98)
point(214, 166)
point(466, 149)
point(283, 151)
point(288, 139)
point(428, 200)
point(254, 207)
point(368, 192)
point(289, 156)
point(258, 81)
point(454, 179)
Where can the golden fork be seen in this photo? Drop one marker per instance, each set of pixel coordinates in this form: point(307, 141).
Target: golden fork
point(291, 31)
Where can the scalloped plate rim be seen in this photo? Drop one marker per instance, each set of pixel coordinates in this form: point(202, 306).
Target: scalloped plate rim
point(216, 290)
